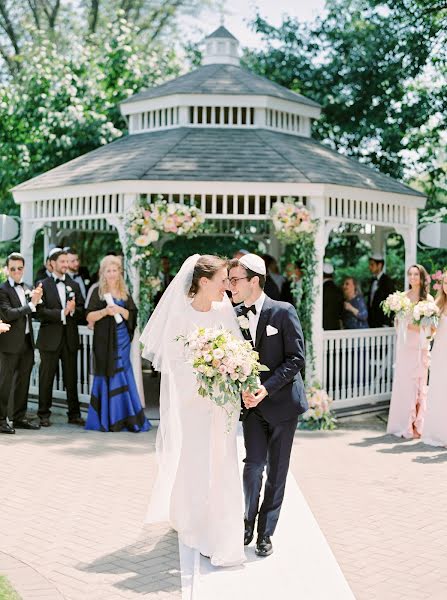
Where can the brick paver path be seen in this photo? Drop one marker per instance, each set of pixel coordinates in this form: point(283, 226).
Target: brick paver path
point(72, 504)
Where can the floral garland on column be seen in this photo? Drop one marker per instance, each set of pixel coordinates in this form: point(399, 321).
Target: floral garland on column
point(295, 228)
point(148, 226)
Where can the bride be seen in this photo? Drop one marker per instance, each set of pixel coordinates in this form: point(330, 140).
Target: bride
point(198, 487)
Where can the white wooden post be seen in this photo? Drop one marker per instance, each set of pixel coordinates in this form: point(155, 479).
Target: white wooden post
point(316, 206)
point(28, 231)
point(409, 235)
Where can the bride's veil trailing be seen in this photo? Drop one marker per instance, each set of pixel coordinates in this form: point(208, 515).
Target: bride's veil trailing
point(166, 355)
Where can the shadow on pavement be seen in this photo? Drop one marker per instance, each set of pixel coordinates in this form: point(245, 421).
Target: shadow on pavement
point(409, 448)
point(150, 565)
point(385, 438)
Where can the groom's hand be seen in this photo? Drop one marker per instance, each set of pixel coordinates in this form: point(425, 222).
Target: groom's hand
point(252, 400)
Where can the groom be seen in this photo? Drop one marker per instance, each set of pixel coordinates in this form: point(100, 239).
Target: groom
point(271, 414)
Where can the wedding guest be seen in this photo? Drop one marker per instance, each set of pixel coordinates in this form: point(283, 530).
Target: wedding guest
point(409, 394)
point(355, 313)
point(333, 299)
point(164, 276)
point(78, 273)
point(17, 304)
point(240, 253)
point(115, 403)
point(43, 272)
point(272, 286)
point(435, 423)
point(380, 288)
point(94, 280)
point(61, 310)
point(294, 273)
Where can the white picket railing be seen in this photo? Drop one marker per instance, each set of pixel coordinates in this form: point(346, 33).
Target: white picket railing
point(358, 365)
point(85, 377)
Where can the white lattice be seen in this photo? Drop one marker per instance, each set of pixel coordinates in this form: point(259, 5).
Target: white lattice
point(366, 211)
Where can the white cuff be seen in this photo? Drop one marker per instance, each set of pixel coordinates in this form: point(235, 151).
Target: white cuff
point(32, 307)
point(63, 317)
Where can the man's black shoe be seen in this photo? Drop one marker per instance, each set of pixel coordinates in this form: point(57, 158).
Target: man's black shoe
point(264, 546)
point(76, 421)
point(249, 532)
point(6, 428)
point(25, 424)
point(45, 422)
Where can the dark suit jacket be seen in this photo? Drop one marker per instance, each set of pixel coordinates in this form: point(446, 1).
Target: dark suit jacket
point(49, 315)
point(159, 294)
point(12, 311)
point(376, 317)
point(283, 353)
point(333, 303)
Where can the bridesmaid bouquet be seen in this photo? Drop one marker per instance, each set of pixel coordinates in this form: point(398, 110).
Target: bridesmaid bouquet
point(426, 315)
point(224, 366)
point(398, 303)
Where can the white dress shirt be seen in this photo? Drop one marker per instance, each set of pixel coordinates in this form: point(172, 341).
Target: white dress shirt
point(62, 295)
point(254, 318)
point(22, 297)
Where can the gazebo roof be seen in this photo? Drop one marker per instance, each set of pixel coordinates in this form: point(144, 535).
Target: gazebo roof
point(194, 154)
point(221, 32)
point(223, 79)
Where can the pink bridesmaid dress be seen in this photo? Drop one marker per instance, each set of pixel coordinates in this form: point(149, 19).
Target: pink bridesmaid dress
point(409, 396)
point(435, 425)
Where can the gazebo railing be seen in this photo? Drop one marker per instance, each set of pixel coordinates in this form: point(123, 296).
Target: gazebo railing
point(358, 365)
point(85, 377)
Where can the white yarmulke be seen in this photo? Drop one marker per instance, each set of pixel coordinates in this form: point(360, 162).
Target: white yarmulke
point(53, 251)
point(377, 257)
point(254, 263)
point(328, 269)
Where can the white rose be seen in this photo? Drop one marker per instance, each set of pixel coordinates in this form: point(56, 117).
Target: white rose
point(153, 235)
point(142, 241)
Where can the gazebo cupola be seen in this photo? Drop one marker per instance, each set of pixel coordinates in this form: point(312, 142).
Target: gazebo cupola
point(220, 94)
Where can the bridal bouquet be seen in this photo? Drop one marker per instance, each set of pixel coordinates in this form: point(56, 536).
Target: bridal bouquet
point(398, 303)
point(426, 314)
point(223, 365)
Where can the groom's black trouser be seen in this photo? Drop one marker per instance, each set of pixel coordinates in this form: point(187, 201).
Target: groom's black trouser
point(270, 445)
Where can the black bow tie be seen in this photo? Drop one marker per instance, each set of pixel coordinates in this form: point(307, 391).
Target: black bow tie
point(246, 309)
point(16, 284)
point(57, 280)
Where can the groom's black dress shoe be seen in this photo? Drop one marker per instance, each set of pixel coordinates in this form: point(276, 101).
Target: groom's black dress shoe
point(26, 424)
point(249, 532)
point(6, 428)
point(264, 546)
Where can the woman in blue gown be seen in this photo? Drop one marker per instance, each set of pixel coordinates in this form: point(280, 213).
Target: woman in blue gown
point(115, 403)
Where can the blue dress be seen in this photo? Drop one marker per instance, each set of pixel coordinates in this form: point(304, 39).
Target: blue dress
point(350, 321)
point(115, 404)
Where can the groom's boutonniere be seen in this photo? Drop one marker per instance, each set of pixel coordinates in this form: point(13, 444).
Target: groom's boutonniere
point(243, 321)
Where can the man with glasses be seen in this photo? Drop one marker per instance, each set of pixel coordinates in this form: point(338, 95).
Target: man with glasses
point(271, 414)
point(17, 305)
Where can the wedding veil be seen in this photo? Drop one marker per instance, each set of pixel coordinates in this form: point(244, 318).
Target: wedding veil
point(166, 355)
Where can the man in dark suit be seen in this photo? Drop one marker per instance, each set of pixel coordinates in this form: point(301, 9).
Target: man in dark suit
point(333, 300)
point(77, 272)
point(61, 311)
point(165, 278)
point(271, 414)
point(381, 287)
point(17, 304)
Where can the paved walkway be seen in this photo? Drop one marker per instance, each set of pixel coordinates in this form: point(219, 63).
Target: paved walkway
point(73, 503)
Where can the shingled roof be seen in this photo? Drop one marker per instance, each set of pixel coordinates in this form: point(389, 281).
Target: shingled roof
point(190, 154)
point(221, 32)
point(222, 79)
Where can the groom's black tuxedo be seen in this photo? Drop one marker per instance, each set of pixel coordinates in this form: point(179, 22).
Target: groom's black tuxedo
point(269, 428)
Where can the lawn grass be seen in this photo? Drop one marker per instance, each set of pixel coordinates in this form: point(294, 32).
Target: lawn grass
point(6, 591)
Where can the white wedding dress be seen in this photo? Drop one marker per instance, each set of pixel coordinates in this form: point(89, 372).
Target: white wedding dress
point(198, 487)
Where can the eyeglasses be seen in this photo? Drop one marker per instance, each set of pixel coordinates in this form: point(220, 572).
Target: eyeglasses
point(14, 269)
point(234, 280)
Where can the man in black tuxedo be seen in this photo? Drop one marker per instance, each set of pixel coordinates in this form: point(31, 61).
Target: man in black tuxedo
point(17, 304)
point(381, 287)
point(333, 300)
point(271, 414)
point(61, 311)
point(77, 272)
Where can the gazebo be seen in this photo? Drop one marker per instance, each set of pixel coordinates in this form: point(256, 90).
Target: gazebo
point(234, 143)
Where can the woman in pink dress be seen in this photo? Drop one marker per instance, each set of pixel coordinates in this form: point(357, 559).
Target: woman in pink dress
point(435, 425)
point(409, 396)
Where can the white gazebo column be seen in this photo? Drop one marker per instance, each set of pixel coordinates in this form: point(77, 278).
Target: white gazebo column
point(410, 237)
point(316, 205)
point(28, 231)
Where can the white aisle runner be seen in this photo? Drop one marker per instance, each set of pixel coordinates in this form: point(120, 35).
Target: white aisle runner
point(302, 566)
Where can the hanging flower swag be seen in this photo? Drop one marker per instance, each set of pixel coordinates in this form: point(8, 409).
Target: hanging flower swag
point(148, 226)
point(296, 229)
